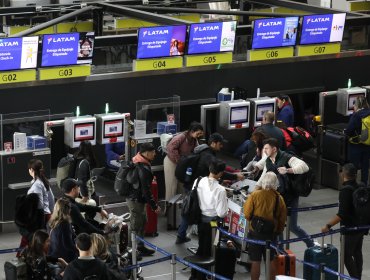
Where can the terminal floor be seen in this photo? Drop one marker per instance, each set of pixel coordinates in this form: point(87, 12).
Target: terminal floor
point(311, 221)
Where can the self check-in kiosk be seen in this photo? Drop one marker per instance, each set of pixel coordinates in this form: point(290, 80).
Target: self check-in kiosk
point(346, 99)
point(259, 106)
point(77, 129)
point(235, 114)
point(110, 128)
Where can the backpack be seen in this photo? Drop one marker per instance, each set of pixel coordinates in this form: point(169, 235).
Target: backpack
point(126, 177)
point(190, 207)
point(184, 163)
point(364, 137)
point(66, 169)
point(301, 138)
point(302, 184)
point(165, 138)
point(361, 203)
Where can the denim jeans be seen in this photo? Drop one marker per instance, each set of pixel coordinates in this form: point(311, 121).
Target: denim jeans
point(181, 232)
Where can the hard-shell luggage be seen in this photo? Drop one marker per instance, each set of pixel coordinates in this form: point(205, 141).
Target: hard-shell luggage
point(285, 263)
point(325, 254)
point(174, 212)
point(15, 269)
point(225, 260)
point(152, 217)
point(123, 238)
point(334, 146)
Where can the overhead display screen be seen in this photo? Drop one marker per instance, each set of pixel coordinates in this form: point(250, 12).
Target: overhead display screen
point(18, 53)
point(275, 32)
point(67, 49)
point(212, 37)
point(161, 41)
point(322, 28)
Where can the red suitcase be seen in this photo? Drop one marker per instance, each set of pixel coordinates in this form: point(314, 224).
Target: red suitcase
point(152, 217)
point(285, 263)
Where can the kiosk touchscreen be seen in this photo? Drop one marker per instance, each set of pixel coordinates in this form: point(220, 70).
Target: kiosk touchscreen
point(78, 129)
point(234, 115)
point(259, 106)
point(110, 128)
point(346, 99)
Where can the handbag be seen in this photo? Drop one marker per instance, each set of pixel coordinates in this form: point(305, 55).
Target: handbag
point(263, 226)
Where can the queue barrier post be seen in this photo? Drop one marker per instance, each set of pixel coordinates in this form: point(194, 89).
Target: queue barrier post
point(134, 257)
point(342, 249)
point(287, 231)
point(173, 265)
point(267, 263)
point(322, 272)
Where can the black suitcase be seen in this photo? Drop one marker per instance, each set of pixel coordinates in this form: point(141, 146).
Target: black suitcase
point(225, 260)
point(334, 146)
point(15, 269)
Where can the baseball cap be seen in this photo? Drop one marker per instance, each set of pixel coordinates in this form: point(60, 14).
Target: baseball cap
point(69, 184)
point(216, 137)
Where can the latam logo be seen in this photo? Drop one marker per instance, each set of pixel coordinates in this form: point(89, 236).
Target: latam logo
point(61, 39)
point(338, 27)
point(270, 23)
point(206, 28)
point(8, 44)
point(319, 19)
point(155, 32)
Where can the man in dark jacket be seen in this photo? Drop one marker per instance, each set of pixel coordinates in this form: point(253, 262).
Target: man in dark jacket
point(142, 194)
point(347, 217)
point(271, 130)
point(86, 265)
point(71, 188)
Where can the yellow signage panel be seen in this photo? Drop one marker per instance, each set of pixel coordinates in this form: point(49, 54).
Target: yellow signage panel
point(126, 23)
point(318, 49)
point(65, 72)
point(359, 6)
point(188, 17)
point(268, 54)
point(157, 64)
point(208, 59)
point(10, 77)
point(11, 30)
point(80, 26)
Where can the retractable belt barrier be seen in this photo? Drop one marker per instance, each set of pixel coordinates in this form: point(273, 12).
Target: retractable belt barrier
point(7, 251)
point(310, 208)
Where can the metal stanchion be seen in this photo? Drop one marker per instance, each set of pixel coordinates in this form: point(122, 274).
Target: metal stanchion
point(287, 231)
point(173, 265)
point(267, 264)
point(134, 260)
point(322, 272)
point(342, 248)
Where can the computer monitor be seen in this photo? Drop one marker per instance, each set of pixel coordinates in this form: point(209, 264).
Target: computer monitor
point(77, 129)
point(346, 99)
point(261, 109)
point(84, 131)
point(234, 114)
point(18, 53)
point(110, 128)
point(259, 106)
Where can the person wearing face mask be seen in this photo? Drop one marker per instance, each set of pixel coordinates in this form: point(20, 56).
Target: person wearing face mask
point(285, 110)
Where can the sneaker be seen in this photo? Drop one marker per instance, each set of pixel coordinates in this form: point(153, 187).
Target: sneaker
point(180, 240)
point(145, 252)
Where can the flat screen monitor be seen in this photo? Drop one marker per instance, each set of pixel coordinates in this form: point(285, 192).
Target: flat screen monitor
point(239, 114)
point(113, 128)
point(212, 37)
point(322, 28)
point(67, 49)
point(161, 41)
point(274, 32)
point(84, 131)
point(352, 99)
point(261, 109)
point(18, 53)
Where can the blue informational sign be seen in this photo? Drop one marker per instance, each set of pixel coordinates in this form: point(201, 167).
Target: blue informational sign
point(212, 37)
point(161, 41)
point(18, 53)
point(274, 32)
point(67, 49)
point(322, 28)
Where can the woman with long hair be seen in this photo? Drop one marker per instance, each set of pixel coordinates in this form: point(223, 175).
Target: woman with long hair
point(62, 243)
point(41, 186)
point(285, 110)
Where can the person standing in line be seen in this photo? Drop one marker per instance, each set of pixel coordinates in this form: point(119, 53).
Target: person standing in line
point(285, 110)
point(142, 194)
point(271, 130)
point(180, 145)
point(267, 204)
point(358, 153)
point(346, 215)
point(41, 186)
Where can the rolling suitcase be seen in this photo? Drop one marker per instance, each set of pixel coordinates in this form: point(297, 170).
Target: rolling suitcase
point(285, 263)
point(174, 212)
point(15, 270)
point(225, 260)
point(326, 254)
point(334, 146)
point(152, 217)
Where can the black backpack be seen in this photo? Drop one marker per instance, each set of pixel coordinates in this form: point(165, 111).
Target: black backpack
point(361, 203)
point(126, 177)
point(66, 169)
point(302, 184)
point(190, 207)
point(184, 163)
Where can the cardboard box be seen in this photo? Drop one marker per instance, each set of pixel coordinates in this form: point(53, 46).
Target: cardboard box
point(165, 127)
point(36, 142)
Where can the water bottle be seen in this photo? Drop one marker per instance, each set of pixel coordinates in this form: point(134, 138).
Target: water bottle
point(188, 173)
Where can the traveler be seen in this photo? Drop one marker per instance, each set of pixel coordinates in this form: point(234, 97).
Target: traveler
point(41, 186)
point(208, 153)
point(213, 204)
point(282, 163)
point(285, 110)
point(271, 130)
point(358, 153)
point(142, 194)
point(114, 152)
point(62, 237)
point(347, 217)
point(266, 212)
point(71, 189)
point(180, 145)
point(87, 266)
